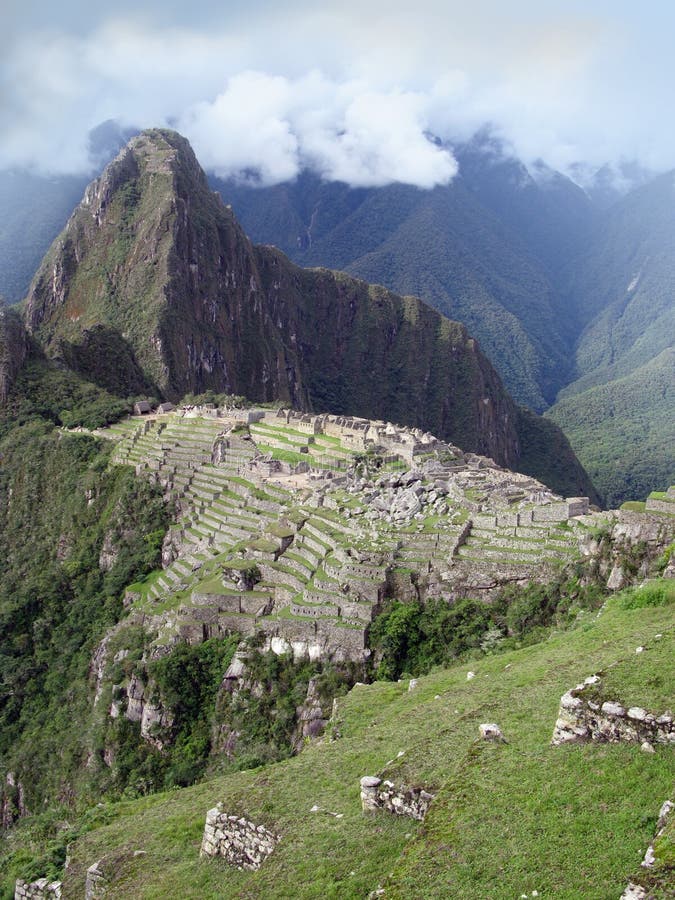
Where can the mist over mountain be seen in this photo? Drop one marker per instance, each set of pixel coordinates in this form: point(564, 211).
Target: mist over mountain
point(483, 249)
point(35, 207)
point(619, 411)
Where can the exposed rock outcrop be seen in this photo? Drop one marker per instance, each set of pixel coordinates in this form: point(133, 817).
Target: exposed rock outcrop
point(636, 891)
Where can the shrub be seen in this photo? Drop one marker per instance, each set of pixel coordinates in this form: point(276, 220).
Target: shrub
point(653, 593)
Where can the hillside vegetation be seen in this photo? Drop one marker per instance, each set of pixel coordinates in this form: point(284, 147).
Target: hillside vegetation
point(509, 819)
point(149, 678)
point(624, 430)
point(59, 507)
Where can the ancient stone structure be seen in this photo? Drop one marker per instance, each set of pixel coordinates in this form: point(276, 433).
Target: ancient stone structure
point(42, 889)
point(303, 552)
point(662, 503)
point(582, 718)
point(241, 842)
point(377, 793)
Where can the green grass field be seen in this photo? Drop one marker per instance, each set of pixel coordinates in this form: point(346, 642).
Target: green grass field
point(509, 819)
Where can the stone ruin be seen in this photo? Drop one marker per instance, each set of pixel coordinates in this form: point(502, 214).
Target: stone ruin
point(42, 889)
point(663, 503)
point(240, 842)
point(581, 718)
point(490, 731)
point(377, 793)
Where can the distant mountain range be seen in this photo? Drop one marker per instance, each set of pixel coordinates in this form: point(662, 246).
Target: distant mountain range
point(566, 290)
point(482, 250)
point(620, 411)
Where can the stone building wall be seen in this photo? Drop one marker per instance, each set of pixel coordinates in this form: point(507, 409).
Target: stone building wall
point(581, 718)
point(401, 801)
point(241, 842)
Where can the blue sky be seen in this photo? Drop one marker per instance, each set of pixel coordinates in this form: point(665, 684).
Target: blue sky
point(352, 89)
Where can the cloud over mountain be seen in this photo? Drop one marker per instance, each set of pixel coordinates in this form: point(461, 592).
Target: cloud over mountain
point(354, 91)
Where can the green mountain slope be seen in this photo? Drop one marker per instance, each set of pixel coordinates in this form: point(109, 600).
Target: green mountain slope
point(618, 413)
point(154, 286)
point(58, 507)
point(34, 210)
point(509, 819)
point(622, 286)
point(481, 250)
point(13, 346)
point(624, 430)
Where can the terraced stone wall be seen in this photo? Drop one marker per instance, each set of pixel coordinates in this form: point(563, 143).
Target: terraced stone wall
point(580, 718)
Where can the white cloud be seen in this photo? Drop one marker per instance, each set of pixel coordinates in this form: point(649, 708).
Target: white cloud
point(276, 125)
point(245, 128)
point(375, 138)
point(352, 89)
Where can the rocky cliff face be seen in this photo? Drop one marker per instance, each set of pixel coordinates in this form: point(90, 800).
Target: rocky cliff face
point(12, 350)
point(153, 285)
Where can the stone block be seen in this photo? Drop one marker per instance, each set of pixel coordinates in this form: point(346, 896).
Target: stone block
point(489, 731)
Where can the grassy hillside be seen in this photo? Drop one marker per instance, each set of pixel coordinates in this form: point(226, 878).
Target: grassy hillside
point(623, 432)
point(509, 819)
point(59, 507)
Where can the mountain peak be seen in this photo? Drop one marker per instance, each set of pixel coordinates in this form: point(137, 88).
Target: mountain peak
point(154, 287)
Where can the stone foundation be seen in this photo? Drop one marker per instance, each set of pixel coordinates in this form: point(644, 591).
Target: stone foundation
point(402, 801)
point(241, 843)
point(580, 718)
point(42, 889)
